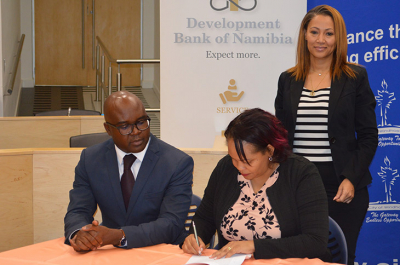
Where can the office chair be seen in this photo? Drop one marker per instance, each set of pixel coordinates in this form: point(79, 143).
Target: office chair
point(68, 112)
point(213, 243)
point(196, 200)
point(337, 243)
point(86, 140)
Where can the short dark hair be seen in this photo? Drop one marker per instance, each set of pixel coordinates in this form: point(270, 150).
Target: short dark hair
point(259, 128)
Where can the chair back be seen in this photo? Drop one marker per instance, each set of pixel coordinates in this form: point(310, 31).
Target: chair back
point(86, 140)
point(214, 242)
point(68, 112)
point(337, 243)
point(196, 200)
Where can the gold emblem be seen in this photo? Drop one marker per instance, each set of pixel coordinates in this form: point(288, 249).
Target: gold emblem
point(229, 95)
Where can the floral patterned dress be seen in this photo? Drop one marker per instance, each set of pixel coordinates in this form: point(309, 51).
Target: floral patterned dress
point(252, 216)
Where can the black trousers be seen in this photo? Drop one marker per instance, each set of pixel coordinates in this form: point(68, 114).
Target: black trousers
point(349, 217)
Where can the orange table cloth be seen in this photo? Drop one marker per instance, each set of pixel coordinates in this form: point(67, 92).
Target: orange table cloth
point(55, 252)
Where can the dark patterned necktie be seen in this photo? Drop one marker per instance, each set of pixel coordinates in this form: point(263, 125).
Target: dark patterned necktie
point(127, 179)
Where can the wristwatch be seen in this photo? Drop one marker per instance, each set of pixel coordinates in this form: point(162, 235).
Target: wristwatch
point(123, 239)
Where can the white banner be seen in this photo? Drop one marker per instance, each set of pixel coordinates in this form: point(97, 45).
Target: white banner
point(219, 58)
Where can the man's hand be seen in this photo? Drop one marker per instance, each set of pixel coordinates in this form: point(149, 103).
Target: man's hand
point(345, 192)
point(84, 241)
point(93, 236)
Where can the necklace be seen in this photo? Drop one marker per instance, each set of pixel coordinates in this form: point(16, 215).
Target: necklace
point(312, 93)
point(312, 71)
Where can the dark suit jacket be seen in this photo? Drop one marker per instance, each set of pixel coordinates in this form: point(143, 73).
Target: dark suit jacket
point(160, 199)
point(352, 129)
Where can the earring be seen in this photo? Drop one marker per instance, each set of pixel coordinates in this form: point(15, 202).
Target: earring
point(270, 159)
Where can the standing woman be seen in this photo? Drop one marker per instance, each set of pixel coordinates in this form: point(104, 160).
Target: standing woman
point(327, 106)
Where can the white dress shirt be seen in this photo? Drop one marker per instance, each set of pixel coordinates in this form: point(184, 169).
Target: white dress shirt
point(136, 165)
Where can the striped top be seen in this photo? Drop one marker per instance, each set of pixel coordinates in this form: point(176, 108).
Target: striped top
point(311, 138)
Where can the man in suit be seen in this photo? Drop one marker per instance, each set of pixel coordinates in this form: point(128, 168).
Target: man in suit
point(142, 204)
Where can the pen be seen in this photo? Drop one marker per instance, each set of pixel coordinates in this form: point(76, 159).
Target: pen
point(195, 234)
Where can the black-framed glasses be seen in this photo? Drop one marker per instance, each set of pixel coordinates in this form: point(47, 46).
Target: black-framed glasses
point(141, 125)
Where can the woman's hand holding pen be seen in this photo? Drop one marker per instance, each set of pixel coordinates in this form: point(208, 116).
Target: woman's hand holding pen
point(190, 245)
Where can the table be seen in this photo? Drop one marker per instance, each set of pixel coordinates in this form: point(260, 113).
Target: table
point(55, 252)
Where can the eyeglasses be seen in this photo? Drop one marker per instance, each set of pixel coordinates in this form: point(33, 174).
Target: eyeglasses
point(141, 125)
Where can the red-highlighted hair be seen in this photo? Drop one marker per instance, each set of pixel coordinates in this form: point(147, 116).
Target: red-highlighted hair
point(259, 128)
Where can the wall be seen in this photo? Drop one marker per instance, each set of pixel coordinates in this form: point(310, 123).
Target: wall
point(16, 19)
point(217, 62)
point(27, 51)
point(151, 44)
point(157, 47)
point(46, 131)
point(16, 215)
point(1, 65)
point(148, 42)
point(10, 35)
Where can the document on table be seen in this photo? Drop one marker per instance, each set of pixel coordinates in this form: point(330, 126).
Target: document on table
point(236, 259)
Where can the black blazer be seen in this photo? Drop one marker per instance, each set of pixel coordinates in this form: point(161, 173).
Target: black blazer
point(352, 129)
point(298, 199)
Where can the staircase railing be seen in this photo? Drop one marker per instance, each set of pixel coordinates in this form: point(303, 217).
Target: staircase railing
point(100, 71)
point(13, 73)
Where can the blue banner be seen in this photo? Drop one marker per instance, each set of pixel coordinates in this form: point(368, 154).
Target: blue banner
point(373, 35)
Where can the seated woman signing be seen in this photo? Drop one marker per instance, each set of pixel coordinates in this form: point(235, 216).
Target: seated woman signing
point(261, 199)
